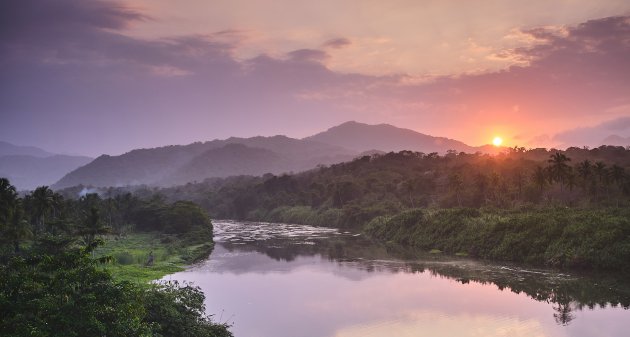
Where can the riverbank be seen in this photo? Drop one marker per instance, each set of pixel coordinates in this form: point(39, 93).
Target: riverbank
point(557, 237)
point(171, 253)
point(595, 239)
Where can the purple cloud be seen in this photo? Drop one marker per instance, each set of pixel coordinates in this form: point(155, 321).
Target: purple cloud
point(68, 72)
point(337, 43)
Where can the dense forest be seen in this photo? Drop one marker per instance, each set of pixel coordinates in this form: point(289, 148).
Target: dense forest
point(53, 282)
point(512, 195)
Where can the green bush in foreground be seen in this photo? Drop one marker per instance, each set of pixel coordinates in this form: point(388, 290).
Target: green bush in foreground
point(60, 291)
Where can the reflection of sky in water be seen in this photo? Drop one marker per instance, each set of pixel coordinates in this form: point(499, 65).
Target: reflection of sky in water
point(312, 295)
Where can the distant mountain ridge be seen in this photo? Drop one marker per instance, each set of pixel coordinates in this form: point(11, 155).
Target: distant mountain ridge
point(616, 140)
point(28, 167)
point(180, 164)
point(385, 137)
point(8, 149)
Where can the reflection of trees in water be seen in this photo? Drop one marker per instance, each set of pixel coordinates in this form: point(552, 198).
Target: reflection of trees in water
point(563, 313)
point(566, 293)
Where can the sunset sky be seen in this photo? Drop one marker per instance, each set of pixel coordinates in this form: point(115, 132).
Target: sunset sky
point(92, 77)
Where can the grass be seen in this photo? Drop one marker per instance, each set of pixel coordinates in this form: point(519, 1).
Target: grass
point(131, 252)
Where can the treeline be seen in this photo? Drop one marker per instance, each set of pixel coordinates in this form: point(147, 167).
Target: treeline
point(593, 182)
point(556, 237)
point(518, 199)
point(350, 194)
point(44, 212)
point(53, 284)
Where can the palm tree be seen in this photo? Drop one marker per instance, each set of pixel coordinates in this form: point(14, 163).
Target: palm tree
point(540, 177)
point(16, 228)
point(8, 197)
point(585, 171)
point(618, 174)
point(42, 198)
point(558, 167)
point(600, 171)
point(92, 227)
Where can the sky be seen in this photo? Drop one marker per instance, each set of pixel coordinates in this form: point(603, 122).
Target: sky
point(104, 76)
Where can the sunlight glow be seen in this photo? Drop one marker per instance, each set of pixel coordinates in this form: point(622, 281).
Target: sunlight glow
point(497, 141)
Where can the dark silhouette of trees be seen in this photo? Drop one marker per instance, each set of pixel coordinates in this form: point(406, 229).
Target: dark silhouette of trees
point(540, 177)
point(42, 203)
point(585, 173)
point(558, 168)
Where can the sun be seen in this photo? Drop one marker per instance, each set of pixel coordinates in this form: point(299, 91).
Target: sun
point(497, 141)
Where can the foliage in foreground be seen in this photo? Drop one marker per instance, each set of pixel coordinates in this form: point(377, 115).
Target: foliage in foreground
point(57, 290)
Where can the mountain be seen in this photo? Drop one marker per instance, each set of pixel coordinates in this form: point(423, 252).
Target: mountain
point(8, 149)
point(616, 140)
point(384, 137)
point(179, 164)
point(229, 160)
point(26, 172)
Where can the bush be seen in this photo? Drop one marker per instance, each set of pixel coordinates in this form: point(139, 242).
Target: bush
point(558, 237)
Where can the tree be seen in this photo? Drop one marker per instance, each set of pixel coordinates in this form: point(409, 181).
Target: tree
point(65, 293)
point(42, 199)
point(8, 198)
point(179, 311)
point(409, 187)
point(16, 228)
point(617, 174)
point(585, 172)
point(540, 177)
point(455, 183)
point(13, 227)
point(92, 227)
point(601, 171)
point(558, 168)
point(481, 184)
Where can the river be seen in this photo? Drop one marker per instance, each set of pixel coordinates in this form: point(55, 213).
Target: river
point(279, 280)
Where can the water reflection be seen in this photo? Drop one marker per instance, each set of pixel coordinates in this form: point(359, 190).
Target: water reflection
point(284, 280)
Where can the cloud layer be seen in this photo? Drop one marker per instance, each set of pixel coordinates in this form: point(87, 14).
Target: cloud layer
point(73, 79)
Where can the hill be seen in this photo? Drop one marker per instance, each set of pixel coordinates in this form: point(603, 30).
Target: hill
point(8, 149)
point(384, 137)
point(179, 164)
point(28, 172)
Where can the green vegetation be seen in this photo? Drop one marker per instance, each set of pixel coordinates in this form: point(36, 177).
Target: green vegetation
point(558, 237)
point(130, 254)
point(56, 274)
point(60, 290)
point(511, 197)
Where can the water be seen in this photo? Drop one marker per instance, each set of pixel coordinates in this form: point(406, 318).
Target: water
point(278, 280)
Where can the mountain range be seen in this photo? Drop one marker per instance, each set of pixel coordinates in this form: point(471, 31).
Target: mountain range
point(179, 164)
point(28, 167)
